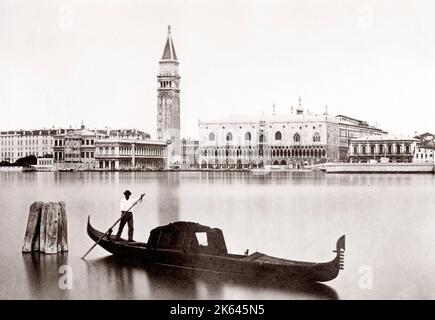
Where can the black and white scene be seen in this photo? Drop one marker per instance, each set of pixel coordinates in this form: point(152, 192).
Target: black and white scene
point(217, 150)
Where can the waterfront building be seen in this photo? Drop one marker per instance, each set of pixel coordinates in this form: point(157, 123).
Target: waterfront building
point(424, 154)
point(15, 144)
point(168, 101)
point(77, 149)
point(425, 148)
point(190, 153)
point(382, 148)
point(290, 140)
point(114, 153)
point(44, 164)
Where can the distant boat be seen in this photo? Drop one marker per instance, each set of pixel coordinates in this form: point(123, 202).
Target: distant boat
point(179, 245)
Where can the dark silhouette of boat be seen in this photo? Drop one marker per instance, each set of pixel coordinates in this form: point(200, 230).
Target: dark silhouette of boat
point(178, 244)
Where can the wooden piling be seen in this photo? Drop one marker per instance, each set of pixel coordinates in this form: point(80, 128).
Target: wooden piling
point(46, 228)
point(64, 228)
point(32, 230)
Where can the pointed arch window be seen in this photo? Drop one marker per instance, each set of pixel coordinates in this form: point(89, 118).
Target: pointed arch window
point(229, 136)
point(211, 137)
point(278, 135)
point(247, 136)
point(316, 137)
point(261, 139)
point(296, 137)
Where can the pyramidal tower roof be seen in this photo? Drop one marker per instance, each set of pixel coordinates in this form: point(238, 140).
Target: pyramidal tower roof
point(169, 51)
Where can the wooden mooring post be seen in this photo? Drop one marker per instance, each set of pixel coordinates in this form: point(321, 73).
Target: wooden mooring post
point(46, 228)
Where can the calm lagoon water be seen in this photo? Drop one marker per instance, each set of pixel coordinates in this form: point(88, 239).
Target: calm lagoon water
point(389, 222)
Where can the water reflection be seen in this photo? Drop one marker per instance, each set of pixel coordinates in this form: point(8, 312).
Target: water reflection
point(168, 199)
point(166, 282)
point(42, 273)
point(119, 282)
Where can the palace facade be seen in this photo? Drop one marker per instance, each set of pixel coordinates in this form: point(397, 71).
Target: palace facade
point(291, 140)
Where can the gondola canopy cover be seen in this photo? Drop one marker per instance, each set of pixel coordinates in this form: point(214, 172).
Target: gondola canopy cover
point(188, 237)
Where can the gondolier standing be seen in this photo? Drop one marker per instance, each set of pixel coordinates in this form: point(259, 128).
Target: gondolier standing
point(127, 216)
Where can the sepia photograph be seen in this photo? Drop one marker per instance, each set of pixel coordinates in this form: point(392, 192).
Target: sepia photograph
point(226, 151)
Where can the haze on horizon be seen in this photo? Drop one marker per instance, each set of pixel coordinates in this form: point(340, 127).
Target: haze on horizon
point(64, 62)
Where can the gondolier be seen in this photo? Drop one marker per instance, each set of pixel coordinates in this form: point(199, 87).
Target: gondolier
point(127, 214)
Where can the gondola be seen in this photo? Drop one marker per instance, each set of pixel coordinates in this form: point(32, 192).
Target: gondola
point(194, 246)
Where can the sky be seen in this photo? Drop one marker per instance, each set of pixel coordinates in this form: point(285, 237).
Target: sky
point(64, 62)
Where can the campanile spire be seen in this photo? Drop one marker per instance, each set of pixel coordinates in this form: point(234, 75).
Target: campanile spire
point(169, 50)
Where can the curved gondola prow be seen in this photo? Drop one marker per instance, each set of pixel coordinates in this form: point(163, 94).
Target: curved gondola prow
point(92, 232)
point(341, 247)
point(89, 228)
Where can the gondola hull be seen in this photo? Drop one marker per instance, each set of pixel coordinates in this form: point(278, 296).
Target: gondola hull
point(256, 265)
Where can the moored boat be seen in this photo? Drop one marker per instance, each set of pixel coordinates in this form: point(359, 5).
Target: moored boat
point(194, 246)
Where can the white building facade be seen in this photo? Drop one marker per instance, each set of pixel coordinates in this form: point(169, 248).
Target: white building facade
point(106, 149)
point(121, 154)
point(17, 144)
point(292, 140)
point(380, 148)
point(424, 155)
point(425, 149)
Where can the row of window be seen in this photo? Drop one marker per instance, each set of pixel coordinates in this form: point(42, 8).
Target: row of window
point(423, 155)
point(20, 142)
point(382, 149)
point(278, 137)
point(85, 142)
point(45, 162)
point(88, 155)
point(127, 150)
point(20, 154)
point(88, 142)
point(25, 148)
point(316, 153)
point(165, 84)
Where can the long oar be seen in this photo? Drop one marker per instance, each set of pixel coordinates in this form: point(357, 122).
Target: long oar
point(107, 232)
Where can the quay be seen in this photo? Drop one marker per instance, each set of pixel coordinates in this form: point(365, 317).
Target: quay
point(377, 167)
point(11, 169)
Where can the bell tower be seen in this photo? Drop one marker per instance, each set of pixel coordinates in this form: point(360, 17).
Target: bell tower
point(168, 101)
